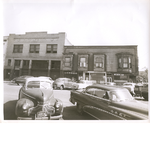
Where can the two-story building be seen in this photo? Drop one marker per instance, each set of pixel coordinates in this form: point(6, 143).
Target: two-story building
point(34, 53)
point(102, 63)
point(42, 54)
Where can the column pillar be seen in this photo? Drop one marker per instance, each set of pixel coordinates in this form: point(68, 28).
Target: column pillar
point(30, 66)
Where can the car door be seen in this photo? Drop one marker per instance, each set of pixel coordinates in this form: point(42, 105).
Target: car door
point(98, 105)
point(66, 83)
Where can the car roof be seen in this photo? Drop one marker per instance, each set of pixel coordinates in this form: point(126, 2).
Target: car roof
point(37, 79)
point(106, 87)
point(63, 78)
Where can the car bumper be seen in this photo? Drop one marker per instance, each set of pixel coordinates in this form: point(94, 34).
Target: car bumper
point(43, 118)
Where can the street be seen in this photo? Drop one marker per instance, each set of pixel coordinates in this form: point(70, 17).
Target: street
point(11, 91)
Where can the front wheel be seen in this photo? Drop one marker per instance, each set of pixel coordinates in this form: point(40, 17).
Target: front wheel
point(61, 87)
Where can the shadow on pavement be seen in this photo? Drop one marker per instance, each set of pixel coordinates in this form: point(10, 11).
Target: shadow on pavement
point(70, 113)
point(9, 110)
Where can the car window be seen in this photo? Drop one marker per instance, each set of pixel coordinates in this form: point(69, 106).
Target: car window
point(38, 84)
point(96, 92)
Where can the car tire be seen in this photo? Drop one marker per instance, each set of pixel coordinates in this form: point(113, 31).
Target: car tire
point(61, 87)
point(79, 109)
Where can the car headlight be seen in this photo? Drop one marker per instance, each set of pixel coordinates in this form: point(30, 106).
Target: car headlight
point(57, 105)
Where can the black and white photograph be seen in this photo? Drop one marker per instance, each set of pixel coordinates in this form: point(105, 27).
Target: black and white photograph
point(81, 62)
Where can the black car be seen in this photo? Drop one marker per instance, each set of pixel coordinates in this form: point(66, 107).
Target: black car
point(109, 103)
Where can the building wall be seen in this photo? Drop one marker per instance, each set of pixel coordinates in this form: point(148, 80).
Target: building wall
point(41, 38)
point(109, 54)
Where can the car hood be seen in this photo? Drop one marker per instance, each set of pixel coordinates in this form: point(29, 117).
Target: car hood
point(40, 95)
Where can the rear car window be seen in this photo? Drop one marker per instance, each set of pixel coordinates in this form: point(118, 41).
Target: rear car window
point(38, 84)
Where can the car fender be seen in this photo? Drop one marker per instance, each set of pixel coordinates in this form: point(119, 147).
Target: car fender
point(22, 107)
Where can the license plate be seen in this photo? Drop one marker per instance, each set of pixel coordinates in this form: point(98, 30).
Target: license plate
point(41, 114)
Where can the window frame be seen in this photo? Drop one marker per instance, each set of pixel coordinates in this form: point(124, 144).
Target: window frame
point(81, 64)
point(34, 47)
point(67, 62)
point(18, 48)
point(51, 48)
point(17, 62)
point(122, 64)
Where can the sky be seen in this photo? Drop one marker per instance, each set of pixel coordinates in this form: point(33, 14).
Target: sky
point(85, 22)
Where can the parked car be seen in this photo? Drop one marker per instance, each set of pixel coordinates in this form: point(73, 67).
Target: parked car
point(62, 83)
point(83, 84)
point(36, 101)
point(49, 78)
point(110, 83)
point(109, 103)
point(130, 86)
point(20, 79)
point(141, 91)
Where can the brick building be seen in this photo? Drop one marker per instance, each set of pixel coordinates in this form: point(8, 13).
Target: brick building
point(42, 54)
point(102, 63)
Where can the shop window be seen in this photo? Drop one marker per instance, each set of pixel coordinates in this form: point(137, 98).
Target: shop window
point(67, 61)
point(18, 48)
point(51, 48)
point(34, 48)
point(82, 62)
point(55, 64)
point(99, 62)
point(25, 63)
point(9, 62)
point(17, 63)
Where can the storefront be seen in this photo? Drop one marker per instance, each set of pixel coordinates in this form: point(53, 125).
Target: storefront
point(119, 79)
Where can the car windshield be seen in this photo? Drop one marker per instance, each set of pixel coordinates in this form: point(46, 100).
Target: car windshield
point(120, 95)
point(39, 84)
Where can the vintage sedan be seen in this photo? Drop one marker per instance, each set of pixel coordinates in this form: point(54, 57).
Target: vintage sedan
point(21, 79)
point(36, 101)
point(109, 103)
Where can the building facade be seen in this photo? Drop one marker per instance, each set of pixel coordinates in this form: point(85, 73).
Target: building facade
point(101, 63)
point(34, 53)
point(42, 54)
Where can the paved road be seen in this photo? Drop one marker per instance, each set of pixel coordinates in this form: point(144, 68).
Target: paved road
point(11, 96)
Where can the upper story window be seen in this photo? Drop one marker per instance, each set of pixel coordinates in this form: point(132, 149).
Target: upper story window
point(99, 62)
point(34, 48)
point(124, 62)
point(82, 62)
point(17, 63)
point(9, 62)
point(67, 61)
point(18, 48)
point(51, 48)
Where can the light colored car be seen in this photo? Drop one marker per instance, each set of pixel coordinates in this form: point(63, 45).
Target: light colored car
point(62, 83)
point(49, 78)
point(130, 86)
point(83, 84)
